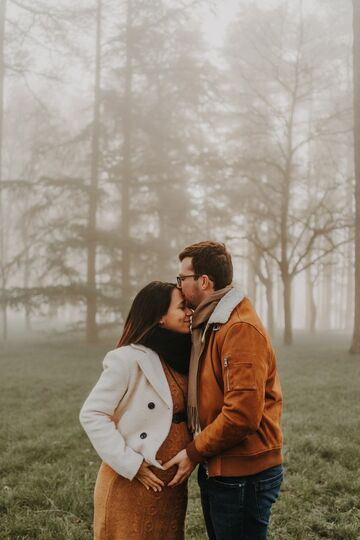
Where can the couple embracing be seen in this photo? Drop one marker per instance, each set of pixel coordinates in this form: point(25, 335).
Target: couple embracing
point(192, 382)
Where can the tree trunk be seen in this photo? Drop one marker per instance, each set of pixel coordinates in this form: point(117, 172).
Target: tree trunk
point(310, 303)
point(312, 311)
point(91, 326)
point(164, 256)
point(286, 278)
point(349, 304)
point(355, 345)
point(284, 221)
point(288, 332)
point(279, 299)
point(27, 274)
point(251, 276)
point(2, 220)
point(288, 336)
point(326, 293)
point(349, 250)
point(127, 167)
point(270, 307)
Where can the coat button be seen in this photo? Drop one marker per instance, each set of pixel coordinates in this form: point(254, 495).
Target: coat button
point(143, 435)
point(151, 405)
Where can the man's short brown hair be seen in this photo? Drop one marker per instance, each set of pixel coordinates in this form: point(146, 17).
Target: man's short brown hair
point(212, 259)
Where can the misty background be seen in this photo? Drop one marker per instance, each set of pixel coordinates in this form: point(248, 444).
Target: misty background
point(131, 129)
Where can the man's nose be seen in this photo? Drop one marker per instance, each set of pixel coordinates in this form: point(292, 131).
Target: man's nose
point(188, 312)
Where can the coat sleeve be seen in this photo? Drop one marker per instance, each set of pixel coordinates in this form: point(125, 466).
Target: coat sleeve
point(244, 360)
point(96, 413)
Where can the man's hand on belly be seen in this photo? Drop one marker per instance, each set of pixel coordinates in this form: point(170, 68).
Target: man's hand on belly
point(185, 468)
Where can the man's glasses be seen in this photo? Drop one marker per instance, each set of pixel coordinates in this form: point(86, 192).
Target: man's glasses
point(180, 279)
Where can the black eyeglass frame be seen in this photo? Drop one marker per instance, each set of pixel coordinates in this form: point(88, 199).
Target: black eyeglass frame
point(180, 279)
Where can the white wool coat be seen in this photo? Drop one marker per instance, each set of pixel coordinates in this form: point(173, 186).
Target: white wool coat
point(128, 414)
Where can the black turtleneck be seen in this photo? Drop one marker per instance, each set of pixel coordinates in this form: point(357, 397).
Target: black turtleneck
point(174, 348)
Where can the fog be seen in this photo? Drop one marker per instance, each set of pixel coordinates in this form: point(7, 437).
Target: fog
point(131, 129)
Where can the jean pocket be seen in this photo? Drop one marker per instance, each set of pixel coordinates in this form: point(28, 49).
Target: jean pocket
point(266, 493)
point(226, 482)
point(267, 484)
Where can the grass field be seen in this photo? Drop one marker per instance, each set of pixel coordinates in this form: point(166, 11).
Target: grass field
point(48, 467)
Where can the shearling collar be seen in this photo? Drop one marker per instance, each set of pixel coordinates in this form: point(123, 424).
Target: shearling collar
point(223, 310)
point(226, 306)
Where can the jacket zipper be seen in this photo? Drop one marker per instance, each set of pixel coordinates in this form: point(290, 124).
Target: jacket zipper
point(226, 366)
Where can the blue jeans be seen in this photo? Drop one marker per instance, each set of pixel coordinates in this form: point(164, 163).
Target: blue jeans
point(239, 507)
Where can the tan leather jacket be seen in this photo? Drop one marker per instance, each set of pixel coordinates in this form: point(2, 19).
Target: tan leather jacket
point(239, 394)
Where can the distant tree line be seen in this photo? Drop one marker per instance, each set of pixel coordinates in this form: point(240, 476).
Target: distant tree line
point(123, 138)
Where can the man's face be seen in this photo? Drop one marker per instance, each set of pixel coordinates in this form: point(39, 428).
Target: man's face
point(190, 286)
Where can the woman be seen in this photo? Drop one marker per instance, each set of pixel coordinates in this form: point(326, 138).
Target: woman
point(135, 418)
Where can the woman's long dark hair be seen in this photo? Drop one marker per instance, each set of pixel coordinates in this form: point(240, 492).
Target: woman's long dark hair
point(149, 305)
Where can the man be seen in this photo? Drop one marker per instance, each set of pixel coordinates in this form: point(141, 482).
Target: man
point(234, 402)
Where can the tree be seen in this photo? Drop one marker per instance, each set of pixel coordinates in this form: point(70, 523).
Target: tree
point(3, 276)
point(152, 139)
point(355, 345)
point(277, 74)
point(91, 327)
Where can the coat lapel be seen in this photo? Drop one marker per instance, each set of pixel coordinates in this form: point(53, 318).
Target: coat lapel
point(150, 364)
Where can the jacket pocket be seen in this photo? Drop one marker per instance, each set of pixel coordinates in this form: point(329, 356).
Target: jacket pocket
point(238, 375)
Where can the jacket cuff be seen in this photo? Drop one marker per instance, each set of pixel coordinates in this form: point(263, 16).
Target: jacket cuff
point(193, 454)
point(133, 466)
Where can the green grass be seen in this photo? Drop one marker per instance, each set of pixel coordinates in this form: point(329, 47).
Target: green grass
point(48, 467)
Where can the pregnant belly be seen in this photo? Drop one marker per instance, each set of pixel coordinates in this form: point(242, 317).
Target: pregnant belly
point(178, 438)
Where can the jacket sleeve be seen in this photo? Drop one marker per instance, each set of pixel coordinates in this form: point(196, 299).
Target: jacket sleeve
point(244, 360)
point(96, 413)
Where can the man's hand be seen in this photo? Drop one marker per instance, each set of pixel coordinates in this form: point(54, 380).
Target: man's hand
point(185, 468)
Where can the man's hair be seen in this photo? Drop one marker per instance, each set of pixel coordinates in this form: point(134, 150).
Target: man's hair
point(212, 259)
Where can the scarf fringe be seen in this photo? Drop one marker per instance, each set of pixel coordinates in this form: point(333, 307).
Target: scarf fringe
point(193, 419)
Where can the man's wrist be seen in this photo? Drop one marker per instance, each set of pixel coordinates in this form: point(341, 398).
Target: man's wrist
point(193, 454)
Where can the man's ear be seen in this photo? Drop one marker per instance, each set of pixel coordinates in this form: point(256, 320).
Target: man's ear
point(206, 282)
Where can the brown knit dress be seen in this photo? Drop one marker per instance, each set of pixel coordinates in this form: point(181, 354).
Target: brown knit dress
point(126, 510)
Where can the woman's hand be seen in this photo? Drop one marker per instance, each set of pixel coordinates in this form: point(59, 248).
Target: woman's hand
point(148, 478)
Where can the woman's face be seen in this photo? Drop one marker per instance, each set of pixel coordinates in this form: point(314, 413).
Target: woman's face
point(178, 315)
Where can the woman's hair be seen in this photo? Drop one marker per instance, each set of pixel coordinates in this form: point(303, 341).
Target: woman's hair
point(149, 305)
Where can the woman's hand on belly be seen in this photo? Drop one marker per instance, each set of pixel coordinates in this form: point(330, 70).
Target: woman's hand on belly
point(147, 478)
